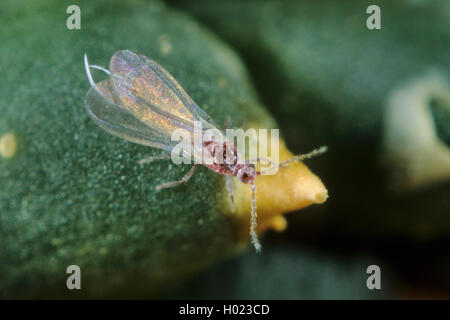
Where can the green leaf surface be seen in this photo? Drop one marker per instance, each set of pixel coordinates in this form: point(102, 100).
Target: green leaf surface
point(73, 194)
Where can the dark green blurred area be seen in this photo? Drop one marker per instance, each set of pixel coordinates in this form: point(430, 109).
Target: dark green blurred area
point(329, 81)
point(289, 272)
point(75, 195)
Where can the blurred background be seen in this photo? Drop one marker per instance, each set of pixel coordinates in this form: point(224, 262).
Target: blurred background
point(380, 100)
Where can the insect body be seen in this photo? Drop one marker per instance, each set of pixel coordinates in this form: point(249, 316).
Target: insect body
point(142, 103)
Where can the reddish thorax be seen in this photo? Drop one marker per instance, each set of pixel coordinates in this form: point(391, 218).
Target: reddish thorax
point(225, 161)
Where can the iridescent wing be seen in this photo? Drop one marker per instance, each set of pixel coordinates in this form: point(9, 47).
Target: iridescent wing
point(119, 122)
point(143, 103)
point(144, 86)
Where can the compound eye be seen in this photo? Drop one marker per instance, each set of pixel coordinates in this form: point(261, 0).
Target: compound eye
point(244, 175)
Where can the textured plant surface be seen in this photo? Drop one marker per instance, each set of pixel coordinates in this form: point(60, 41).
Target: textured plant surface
point(72, 194)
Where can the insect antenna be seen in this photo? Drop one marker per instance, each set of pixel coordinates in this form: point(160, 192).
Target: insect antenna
point(301, 157)
point(100, 68)
point(254, 223)
point(89, 75)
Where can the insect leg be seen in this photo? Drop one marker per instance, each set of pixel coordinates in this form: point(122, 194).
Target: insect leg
point(230, 192)
point(301, 157)
point(253, 222)
point(154, 158)
point(185, 178)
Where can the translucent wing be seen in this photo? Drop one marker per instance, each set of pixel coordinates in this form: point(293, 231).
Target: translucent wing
point(151, 93)
point(143, 103)
point(117, 121)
